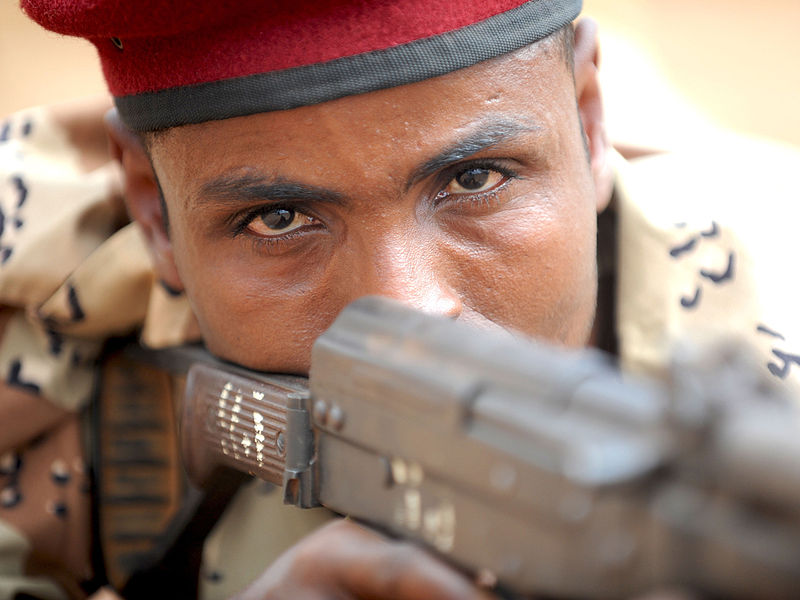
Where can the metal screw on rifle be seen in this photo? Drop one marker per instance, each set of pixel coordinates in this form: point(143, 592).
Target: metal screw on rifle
point(320, 412)
point(336, 418)
point(281, 444)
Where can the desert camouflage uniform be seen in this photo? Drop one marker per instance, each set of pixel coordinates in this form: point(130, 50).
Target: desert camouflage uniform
point(703, 246)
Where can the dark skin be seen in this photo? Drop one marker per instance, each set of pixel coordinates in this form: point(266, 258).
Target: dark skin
point(472, 195)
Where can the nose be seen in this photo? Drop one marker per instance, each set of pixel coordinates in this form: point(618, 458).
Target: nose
point(412, 271)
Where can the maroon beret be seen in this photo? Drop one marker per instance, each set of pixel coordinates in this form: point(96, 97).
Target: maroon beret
point(175, 62)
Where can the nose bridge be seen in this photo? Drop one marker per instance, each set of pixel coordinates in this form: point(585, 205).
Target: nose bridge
point(406, 265)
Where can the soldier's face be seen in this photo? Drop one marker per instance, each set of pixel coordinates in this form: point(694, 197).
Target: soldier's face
point(469, 195)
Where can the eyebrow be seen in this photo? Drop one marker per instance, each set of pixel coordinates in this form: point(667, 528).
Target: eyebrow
point(235, 189)
point(487, 135)
point(243, 188)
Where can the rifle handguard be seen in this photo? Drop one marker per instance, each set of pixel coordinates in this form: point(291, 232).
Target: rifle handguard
point(237, 422)
point(544, 468)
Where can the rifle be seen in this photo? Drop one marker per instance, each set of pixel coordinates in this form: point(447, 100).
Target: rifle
point(547, 469)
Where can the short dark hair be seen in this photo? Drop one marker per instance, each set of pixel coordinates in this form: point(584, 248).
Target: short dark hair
point(565, 38)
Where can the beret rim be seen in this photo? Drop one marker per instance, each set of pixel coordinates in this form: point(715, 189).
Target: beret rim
point(320, 82)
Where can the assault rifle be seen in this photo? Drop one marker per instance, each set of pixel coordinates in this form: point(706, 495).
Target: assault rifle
point(547, 469)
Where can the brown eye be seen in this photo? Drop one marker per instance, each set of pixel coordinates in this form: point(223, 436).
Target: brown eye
point(473, 181)
point(278, 221)
point(280, 218)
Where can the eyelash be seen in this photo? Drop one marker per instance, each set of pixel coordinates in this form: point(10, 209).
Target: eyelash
point(265, 244)
point(485, 198)
point(239, 223)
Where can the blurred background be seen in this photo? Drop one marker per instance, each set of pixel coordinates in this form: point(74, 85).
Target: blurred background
point(673, 70)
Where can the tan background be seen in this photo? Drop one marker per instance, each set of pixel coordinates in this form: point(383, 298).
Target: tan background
point(674, 70)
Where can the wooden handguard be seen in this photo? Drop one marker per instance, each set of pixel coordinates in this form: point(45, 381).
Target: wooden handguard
point(237, 421)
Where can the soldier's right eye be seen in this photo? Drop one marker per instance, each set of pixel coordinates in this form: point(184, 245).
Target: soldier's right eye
point(278, 220)
point(275, 225)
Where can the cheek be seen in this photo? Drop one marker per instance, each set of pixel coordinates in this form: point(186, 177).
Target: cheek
point(532, 268)
point(259, 318)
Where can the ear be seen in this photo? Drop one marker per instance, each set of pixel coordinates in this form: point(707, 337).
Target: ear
point(143, 198)
point(590, 108)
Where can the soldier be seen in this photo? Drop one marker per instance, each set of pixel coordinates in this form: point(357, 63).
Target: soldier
point(280, 162)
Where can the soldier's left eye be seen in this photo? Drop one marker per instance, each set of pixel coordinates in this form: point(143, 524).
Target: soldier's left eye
point(475, 180)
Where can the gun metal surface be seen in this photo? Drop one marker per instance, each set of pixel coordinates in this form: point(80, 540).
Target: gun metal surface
point(546, 469)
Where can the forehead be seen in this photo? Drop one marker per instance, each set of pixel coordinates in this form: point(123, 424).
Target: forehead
point(531, 88)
